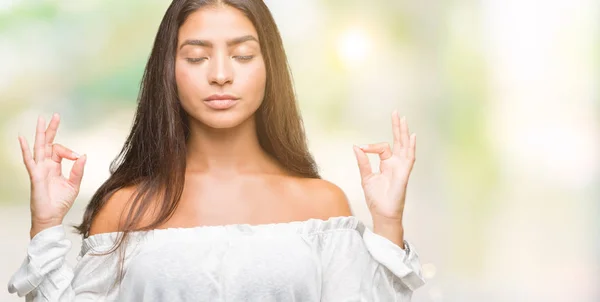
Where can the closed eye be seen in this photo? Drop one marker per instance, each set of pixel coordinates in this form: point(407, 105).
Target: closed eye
point(243, 58)
point(196, 60)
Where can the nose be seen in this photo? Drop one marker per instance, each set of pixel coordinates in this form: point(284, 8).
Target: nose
point(221, 71)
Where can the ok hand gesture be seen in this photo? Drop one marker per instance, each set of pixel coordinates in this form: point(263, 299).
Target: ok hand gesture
point(52, 195)
point(385, 192)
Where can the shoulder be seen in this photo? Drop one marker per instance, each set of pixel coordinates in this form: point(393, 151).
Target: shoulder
point(111, 216)
point(328, 198)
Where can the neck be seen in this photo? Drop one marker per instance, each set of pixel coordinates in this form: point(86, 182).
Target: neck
point(230, 151)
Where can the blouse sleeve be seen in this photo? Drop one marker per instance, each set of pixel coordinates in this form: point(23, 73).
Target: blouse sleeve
point(364, 266)
point(44, 275)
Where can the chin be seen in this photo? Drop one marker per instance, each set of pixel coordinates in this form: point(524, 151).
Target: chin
point(221, 120)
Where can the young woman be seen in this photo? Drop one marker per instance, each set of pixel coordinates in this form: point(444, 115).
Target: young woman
point(214, 196)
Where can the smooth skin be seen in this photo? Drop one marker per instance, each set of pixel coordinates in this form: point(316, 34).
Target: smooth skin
point(385, 191)
point(52, 194)
point(230, 179)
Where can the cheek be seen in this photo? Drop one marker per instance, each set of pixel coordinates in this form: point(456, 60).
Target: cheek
point(255, 80)
point(184, 79)
point(186, 88)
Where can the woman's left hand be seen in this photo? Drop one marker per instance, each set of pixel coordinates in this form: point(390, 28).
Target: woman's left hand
point(385, 192)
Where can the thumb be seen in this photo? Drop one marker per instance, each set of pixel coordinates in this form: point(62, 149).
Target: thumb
point(77, 171)
point(364, 166)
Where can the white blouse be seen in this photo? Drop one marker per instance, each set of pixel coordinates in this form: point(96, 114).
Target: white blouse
point(314, 260)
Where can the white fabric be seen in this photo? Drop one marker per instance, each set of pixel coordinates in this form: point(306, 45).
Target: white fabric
point(313, 260)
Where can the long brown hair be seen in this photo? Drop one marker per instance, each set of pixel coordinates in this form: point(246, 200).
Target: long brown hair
point(153, 158)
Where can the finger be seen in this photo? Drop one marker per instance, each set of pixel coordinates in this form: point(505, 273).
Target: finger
point(52, 128)
point(27, 159)
point(413, 146)
point(59, 152)
point(383, 149)
point(396, 129)
point(364, 166)
point(40, 140)
point(77, 171)
point(404, 132)
point(51, 134)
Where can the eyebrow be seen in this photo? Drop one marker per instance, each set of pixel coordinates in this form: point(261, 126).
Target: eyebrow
point(204, 43)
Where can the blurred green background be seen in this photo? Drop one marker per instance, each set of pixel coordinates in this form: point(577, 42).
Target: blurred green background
point(504, 96)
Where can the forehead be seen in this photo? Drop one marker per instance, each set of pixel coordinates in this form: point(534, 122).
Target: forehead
point(216, 24)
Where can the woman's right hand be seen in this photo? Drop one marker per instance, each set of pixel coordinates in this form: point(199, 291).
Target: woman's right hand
point(52, 194)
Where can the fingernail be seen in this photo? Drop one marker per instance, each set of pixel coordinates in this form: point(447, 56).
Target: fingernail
point(363, 146)
point(76, 155)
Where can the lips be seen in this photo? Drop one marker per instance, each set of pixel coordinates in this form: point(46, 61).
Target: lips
point(221, 101)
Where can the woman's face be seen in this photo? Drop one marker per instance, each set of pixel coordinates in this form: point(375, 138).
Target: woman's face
point(219, 69)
